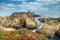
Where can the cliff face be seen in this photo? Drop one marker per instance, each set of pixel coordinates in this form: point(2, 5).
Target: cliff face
point(19, 19)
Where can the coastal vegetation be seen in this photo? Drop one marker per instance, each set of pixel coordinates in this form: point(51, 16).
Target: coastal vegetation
point(58, 19)
point(21, 34)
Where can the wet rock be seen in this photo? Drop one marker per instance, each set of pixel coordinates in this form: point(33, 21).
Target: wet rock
point(48, 30)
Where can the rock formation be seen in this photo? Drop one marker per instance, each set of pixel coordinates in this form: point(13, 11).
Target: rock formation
point(58, 31)
point(18, 19)
point(48, 30)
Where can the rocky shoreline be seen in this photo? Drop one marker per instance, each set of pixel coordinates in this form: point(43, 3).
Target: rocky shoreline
point(19, 20)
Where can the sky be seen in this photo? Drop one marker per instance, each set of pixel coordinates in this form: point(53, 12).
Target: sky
point(48, 8)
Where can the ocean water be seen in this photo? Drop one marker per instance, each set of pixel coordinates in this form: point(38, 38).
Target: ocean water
point(38, 24)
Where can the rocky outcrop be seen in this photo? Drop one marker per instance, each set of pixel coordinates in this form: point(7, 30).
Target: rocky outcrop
point(48, 20)
point(25, 19)
point(19, 19)
point(48, 30)
point(30, 22)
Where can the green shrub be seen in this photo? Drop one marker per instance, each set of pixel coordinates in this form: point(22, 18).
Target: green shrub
point(1, 35)
point(41, 38)
point(21, 32)
point(15, 39)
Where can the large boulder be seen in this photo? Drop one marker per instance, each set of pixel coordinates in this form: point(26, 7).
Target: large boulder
point(48, 30)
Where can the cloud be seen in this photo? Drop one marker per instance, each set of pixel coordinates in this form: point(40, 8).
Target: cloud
point(37, 5)
point(47, 2)
point(17, 0)
point(4, 6)
point(43, 9)
point(32, 6)
point(11, 5)
point(27, 6)
point(24, 2)
point(57, 8)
